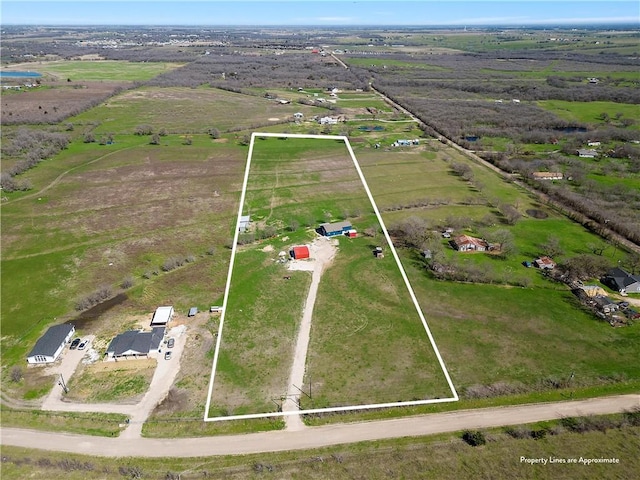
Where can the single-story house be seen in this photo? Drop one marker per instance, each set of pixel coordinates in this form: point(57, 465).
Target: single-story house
point(605, 304)
point(544, 263)
point(244, 223)
point(162, 316)
point(405, 143)
point(299, 252)
point(49, 346)
point(587, 153)
point(547, 175)
point(622, 281)
point(333, 229)
point(135, 343)
point(466, 243)
point(328, 121)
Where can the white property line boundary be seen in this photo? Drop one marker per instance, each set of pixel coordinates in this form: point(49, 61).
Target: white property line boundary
point(453, 398)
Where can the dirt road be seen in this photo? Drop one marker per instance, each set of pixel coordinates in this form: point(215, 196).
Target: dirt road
point(322, 251)
point(315, 437)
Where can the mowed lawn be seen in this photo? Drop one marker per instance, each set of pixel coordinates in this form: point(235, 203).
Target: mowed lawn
point(186, 110)
point(367, 345)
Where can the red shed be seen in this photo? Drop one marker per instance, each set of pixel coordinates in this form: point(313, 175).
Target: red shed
point(300, 252)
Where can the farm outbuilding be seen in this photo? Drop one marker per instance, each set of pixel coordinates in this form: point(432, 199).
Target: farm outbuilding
point(333, 229)
point(300, 252)
point(162, 316)
point(243, 226)
point(49, 346)
point(193, 311)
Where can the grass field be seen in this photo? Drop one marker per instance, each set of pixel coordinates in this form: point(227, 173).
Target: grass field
point(104, 70)
point(590, 112)
point(367, 342)
point(98, 214)
point(186, 111)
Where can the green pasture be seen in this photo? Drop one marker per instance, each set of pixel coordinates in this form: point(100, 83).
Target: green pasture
point(368, 344)
point(105, 70)
point(590, 112)
point(315, 179)
point(389, 62)
point(180, 110)
point(521, 336)
point(261, 323)
point(99, 214)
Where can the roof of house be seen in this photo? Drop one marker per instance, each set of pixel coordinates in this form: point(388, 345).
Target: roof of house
point(545, 261)
point(622, 278)
point(587, 152)
point(135, 342)
point(49, 343)
point(468, 240)
point(547, 175)
point(336, 227)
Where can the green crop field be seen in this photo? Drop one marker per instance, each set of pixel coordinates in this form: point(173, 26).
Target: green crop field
point(105, 70)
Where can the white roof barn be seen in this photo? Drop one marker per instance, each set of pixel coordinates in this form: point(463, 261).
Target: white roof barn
point(50, 345)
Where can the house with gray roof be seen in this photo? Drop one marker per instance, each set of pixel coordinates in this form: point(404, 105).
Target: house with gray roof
point(622, 281)
point(135, 343)
point(333, 229)
point(49, 346)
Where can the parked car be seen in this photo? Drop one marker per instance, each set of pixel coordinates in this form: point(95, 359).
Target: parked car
point(74, 344)
point(83, 345)
point(167, 355)
point(171, 342)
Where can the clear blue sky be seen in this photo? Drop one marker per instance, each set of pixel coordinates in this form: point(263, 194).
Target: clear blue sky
point(319, 12)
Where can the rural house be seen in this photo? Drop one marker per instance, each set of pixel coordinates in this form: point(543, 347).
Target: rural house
point(622, 281)
point(328, 121)
point(333, 229)
point(587, 153)
point(547, 175)
point(544, 263)
point(162, 316)
point(50, 345)
point(135, 343)
point(466, 243)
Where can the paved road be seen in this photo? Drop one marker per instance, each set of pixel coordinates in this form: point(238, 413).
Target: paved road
point(315, 437)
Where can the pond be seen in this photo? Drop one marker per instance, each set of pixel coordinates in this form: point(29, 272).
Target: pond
point(10, 74)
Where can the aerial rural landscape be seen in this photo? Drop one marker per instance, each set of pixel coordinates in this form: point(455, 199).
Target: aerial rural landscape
point(332, 251)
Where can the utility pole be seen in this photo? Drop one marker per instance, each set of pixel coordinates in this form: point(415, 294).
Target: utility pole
point(62, 384)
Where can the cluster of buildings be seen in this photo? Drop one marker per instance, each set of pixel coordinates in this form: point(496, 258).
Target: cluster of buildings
point(132, 343)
